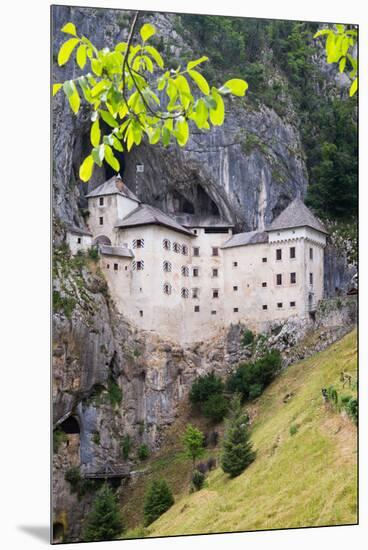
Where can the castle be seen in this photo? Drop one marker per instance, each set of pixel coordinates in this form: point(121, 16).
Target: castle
point(187, 277)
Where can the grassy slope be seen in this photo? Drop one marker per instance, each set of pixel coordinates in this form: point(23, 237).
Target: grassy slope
point(306, 479)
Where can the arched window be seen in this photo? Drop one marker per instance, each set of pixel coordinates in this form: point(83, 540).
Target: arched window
point(167, 288)
point(166, 266)
point(102, 239)
point(184, 250)
point(166, 244)
point(185, 271)
point(184, 293)
point(176, 248)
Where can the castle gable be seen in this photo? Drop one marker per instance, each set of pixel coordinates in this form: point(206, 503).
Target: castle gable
point(148, 215)
point(243, 239)
point(296, 215)
point(113, 186)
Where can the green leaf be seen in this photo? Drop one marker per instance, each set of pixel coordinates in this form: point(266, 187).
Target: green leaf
point(200, 114)
point(155, 55)
point(147, 31)
point(111, 159)
point(193, 64)
point(353, 87)
point(237, 86)
point(217, 114)
point(69, 28)
point(165, 136)
point(82, 55)
point(200, 81)
point(56, 88)
point(182, 131)
point(72, 95)
point(154, 135)
point(86, 168)
point(342, 64)
point(116, 144)
point(98, 154)
point(108, 118)
point(121, 47)
point(95, 133)
point(96, 66)
point(66, 50)
point(322, 32)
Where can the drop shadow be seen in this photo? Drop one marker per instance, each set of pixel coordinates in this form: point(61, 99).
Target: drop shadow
point(40, 532)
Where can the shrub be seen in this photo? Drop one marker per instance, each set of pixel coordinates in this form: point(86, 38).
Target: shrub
point(126, 446)
point(247, 338)
point(93, 253)
point(104, 521)
point(293, 429)
point(255, 391)
point(332, 395)
point(204, 387)
point(143, 451)
point(350, 405)
point(96, 438)
point(58, 437)
point(193, 442)
point(158, 500)
point(115, 393)
point(63, 304)
point(72, 476)
point(198, 480)
point(215, 407)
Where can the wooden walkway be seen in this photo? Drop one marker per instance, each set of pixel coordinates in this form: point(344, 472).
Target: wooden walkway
point(108, 472)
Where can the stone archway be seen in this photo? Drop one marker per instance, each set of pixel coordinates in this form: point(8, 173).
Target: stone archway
point(102, 239)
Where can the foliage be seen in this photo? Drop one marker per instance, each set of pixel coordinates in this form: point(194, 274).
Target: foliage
point(73, 476)
point(158, 500)
point(204, 387)
point(340, 45)
point(58, 437)
point(96, 438)
point(63, 304)
point(237, 451)
point(115, 393)
point(215, 407)
point(104, 521)
point(347, 403)
point(143, 452)
point(293, 429)
point(250, 379)
point(193, 440)
point(124, 87)
point(198, 480)
point(247, 337)
point(126, 446)
point(93, 253)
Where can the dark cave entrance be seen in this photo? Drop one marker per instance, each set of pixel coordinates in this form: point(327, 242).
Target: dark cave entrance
point(204, 203)
point(57, 532)
point(70, 426)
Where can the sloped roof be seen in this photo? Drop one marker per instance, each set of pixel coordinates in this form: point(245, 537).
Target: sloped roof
point(115, 251)
point(195, 220)
point(78, 231)
point(242, 239)
point(114, 185)
point(296, 215)
point(148, 215)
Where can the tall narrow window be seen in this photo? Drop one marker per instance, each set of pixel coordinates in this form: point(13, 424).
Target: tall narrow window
point(235, 264)
point(311, 253)
point(215, 293)
point(293, 278)
point(141, 313)
point(311, 278)
point(195, 251)
point(196, 309)
point(166, 244)
point(195, 272)
point(166, 266)
point(185, 271)
point(292, 252)
point(140, 265)
point(184, 250)
point(184, 293)
point(214, 272)
point(278, 254)
point(167, 288)
point(176, 248)
point(279, 279)
point(116, 267)
point(101, 201)
point(195, 292)
point(79, 240)
point(215, 251)
point(101, 220)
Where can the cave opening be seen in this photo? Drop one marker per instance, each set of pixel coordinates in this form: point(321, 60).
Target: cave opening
point(57, 532)
point(70, 426)
point(204, 203)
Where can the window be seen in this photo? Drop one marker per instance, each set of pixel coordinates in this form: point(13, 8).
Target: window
point(215, 251)
point(195, 231)
point(101, 220)
point(264, 306)
point(79, 240)
point(167, 288)
point(138, 243)
point(264, 284)
point(213, 312)
point(166, 244)
point(235, 288)
point(141, 313)
point(184, 293)
point(311, 253)
point(107, 266)
point(292, 252)
point(195, 271)
point(215, 293)
point(126, 268)
point(116, 267)
point(195, 292)
point(176, 248)
point(264, 260)
point(279, 305)
point(235, 264)
point(278, 254)
point(184, 250)
point(236, 309)
point(140, 265)
point(292, 304)
point(195, 251)
point(279, 279)
point(196, 309)
point(293, 278)
point(101, 201)
point(185, 271)
point(310, 278)
point(166, 266)
point(214, 272)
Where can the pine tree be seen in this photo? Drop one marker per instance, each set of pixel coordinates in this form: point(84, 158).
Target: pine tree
point(237, 448)
point(158, 499)
point(104, 521)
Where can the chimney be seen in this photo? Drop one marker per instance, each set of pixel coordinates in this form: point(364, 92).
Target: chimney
point(119, 182)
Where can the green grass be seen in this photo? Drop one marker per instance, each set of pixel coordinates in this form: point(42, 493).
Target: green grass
point(304, 480)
